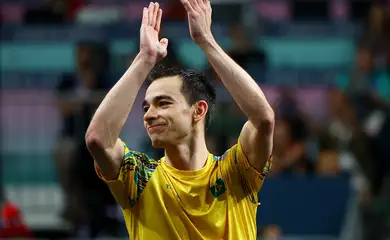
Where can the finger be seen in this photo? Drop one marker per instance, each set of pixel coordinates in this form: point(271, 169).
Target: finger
point(155, 13)
point(199, 3)
point(150, 12)
point(145, 17)
point(196, 4)
point(158, 22)
point(187, 5)
point(164, 42)
point(208, 11)
point(206, 2)
point(209, 7)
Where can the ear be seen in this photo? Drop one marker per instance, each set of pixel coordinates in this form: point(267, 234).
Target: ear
point(200, 110)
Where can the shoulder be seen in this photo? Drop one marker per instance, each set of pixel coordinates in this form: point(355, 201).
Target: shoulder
point(233, 153)
point(135, 158)
point(235, 158)
point(228, 156)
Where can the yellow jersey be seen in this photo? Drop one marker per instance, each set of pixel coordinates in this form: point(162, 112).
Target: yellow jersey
point(218, 201)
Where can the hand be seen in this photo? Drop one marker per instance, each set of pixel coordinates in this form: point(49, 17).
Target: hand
point(150, 45)
point(199, 19)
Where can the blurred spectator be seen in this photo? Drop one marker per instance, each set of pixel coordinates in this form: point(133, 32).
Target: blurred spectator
point(359, 80)
point(291, 135)
point(244, 52)
point(287, 105)
point(99, 213)
point(344, 135)
point(364, 86)
point(327, 163)
point(368, 113)
point(70, 108)
point(51, 12)
point(376, 31)
point(79, 94)
point(290, 156)
point(271, 232)
point(225, 127)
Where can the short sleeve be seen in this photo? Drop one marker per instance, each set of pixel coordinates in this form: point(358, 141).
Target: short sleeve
point(250, 180)
point(135, 171)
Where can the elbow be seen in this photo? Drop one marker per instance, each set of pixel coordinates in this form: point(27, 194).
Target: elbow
point(266, 122)
point(92, 140)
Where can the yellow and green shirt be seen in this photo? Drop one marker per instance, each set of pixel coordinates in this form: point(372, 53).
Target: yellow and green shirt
point(218, 201)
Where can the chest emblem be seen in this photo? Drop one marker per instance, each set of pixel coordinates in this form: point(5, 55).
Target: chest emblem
point(218, 189)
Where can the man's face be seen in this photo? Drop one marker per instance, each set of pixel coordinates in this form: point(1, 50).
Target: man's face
point(84, 57)
point(168, 117)
point(238, 36)
point(377, 17)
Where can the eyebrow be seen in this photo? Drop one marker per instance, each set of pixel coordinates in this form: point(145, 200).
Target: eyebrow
point(158, 98)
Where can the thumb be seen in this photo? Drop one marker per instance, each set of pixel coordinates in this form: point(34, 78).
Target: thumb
point(164, 42)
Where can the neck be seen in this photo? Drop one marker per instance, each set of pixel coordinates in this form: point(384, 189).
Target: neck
point(189, 155)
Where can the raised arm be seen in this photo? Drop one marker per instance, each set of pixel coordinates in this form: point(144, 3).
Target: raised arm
point(102, 137)
point(257, 134)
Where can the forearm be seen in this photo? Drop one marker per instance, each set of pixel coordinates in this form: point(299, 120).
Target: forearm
point(111, 115)
point(244, 90)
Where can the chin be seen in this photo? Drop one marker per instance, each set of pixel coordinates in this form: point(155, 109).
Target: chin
point(157, 142)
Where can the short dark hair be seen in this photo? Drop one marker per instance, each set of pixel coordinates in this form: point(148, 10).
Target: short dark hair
point(195, 86)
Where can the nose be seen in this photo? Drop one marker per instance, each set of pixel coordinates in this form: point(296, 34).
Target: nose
point(150, 115)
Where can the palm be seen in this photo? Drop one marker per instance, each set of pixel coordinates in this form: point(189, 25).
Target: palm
point(199, 19)
point(149, 38)
point(150, 28)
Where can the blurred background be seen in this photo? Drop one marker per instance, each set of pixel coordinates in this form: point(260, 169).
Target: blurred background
point(323, 64)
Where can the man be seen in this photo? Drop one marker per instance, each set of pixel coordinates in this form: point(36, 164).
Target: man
point(79, 94)
point(189, 193)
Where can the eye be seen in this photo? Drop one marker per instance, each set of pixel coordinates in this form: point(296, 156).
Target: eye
point(163, 103)
point(145, 108)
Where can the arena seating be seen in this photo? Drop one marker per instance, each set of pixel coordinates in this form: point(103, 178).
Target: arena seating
point(32, 58)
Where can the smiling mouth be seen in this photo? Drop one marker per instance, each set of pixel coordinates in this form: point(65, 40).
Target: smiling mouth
point(155, 126)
